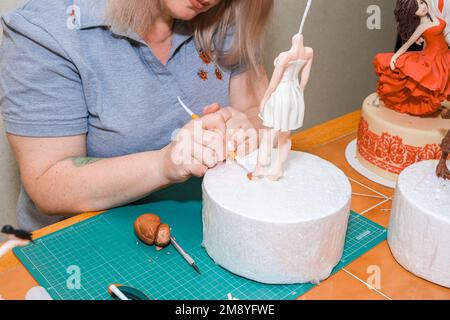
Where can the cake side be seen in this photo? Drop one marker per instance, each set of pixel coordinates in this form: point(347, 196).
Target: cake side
point(419, 229)
point(389, 141)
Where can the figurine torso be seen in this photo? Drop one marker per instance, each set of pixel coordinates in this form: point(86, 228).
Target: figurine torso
point(435, 39)
point(292, 70)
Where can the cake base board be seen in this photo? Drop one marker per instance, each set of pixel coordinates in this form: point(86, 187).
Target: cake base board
point(350, 155)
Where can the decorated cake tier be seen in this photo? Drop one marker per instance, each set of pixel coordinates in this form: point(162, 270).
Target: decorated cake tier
point(290, 231)
point(419, 231)
point(389, 141)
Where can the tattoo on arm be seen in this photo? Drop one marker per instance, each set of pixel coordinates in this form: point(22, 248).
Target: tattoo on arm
point(83, 161)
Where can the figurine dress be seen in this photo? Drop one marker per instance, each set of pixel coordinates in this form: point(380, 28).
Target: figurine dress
point(421, 80)
point(285, 109)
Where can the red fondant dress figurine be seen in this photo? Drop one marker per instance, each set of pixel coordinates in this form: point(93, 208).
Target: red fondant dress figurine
point(421, 80)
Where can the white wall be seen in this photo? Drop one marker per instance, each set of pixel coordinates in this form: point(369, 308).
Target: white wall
point(343, 74)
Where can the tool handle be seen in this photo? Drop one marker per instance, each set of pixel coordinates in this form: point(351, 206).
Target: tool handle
point(185, 255)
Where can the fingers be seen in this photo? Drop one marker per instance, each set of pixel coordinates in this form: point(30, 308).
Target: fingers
point(204, 155)
point(197, 169)
point(244, 141)
point(205, 139)
point(214, 122)
point(212, 140)
point(213, 108)
point(241, 135)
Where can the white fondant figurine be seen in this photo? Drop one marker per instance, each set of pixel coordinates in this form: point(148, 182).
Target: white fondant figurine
point(282, 108)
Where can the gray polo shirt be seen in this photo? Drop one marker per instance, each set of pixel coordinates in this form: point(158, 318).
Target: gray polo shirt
point(64, 75)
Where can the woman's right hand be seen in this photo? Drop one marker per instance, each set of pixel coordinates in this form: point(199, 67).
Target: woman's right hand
point(198, 146)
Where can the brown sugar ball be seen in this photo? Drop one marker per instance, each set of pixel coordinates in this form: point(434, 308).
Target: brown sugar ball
point(163, 236)
point(146, 228)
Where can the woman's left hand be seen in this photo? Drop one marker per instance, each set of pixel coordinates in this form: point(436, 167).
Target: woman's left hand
point(241, 136)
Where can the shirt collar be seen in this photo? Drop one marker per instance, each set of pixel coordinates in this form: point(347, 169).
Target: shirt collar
point(92, 15)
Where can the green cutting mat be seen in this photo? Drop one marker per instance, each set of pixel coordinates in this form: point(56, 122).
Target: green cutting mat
point(107, 251)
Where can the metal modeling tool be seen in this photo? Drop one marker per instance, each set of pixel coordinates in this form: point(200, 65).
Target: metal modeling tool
point(184, 254)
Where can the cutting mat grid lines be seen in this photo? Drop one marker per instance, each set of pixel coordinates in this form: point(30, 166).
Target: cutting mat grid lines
point(106, 251)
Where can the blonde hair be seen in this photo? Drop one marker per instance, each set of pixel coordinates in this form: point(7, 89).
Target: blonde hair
point(247, 17)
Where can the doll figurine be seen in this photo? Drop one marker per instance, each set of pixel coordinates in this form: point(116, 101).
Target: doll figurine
point(442, 170)
point(416, 83)
point(282, 108)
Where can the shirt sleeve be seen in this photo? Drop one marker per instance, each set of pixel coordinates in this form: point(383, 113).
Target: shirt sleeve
point(41, 94)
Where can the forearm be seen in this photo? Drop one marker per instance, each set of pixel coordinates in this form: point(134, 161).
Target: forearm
point(77, 185)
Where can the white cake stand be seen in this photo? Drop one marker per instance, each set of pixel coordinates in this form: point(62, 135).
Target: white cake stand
point(350, 155)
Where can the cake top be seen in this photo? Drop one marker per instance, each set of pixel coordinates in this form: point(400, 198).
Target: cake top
point(311, 188)
point(425, 190)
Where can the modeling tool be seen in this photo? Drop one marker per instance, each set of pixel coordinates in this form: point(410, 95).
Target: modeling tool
point(16, 238)
point(114, 290)
point(240, 162)
point(232, 154)
point(187, 109)
point(20, 234)
point(120, 292)
point(184, 254)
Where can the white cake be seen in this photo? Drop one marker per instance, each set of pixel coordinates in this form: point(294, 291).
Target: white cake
point(284, 232)
point(419, 231)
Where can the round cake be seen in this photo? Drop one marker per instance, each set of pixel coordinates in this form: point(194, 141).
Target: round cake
point(419, 231)
point(389, 141)
point(284, 232)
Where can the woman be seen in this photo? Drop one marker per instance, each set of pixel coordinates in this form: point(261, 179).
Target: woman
point(416, 83)
point(89, 95)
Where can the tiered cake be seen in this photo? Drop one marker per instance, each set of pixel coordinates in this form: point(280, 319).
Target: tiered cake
point(284, 232)
point(389, 141)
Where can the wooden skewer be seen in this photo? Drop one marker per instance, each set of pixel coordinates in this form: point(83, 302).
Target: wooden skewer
point(368, 196)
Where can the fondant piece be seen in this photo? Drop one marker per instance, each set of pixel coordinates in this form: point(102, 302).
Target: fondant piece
point(282, 108)
point(419, 230)
point(389, 141)
point(290, 231)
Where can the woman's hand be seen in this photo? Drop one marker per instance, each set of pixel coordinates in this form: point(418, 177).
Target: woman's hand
point(241, 136)
point(199, 146)
point(394, 62)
